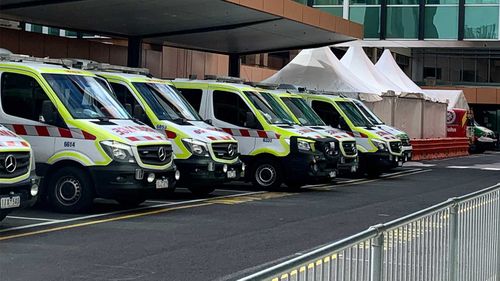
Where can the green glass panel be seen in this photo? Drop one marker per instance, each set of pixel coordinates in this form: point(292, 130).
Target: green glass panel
point(53, 31)
point(364, 2)
point(402, 22)
point(481, 2)
point(336, 11)
point(368, 15)
point(328, 2)
point(36, 28)
point(302, 1)
point(481, 22)
point(437, 2)
point(403, 2)
point(441, 22)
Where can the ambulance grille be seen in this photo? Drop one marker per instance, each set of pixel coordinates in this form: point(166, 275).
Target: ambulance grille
point(396, 146)
point(22, 164)
point(405, 142)
point(151, 154)
point(349, 148)
point(226, 151)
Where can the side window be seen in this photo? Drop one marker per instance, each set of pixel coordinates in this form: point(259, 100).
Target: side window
point(193, 96)
point(230, 108)
point(329, 114)
point(23, 97)
point(127, 99)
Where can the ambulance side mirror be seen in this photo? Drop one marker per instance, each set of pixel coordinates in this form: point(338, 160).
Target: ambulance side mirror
point(128, 108)
point(49, 113)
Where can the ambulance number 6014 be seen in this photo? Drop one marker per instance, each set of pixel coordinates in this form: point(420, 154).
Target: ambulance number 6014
point(69, 144)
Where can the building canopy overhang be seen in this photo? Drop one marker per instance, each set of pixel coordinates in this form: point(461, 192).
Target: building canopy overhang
point(220, 26)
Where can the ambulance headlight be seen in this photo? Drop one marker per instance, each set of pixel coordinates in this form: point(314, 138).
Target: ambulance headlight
point(303, 145)
point(196, 147)
point(380, 145)
point(118, 151)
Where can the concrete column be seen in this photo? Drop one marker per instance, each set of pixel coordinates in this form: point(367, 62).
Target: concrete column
point(134, 55)
point(234, 65)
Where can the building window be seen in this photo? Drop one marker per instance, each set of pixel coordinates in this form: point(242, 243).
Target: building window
point(367, 13)
point(481, 21)
point(441, 19)
point(333, 7)
point(402, 19)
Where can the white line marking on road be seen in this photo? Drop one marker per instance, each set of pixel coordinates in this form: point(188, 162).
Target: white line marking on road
point(230, 190)
point(385, 176)
point(125, 211)
point(459, 167)
point(491, 169)
point(418, 164)
point(158, 201)
point(30, 218)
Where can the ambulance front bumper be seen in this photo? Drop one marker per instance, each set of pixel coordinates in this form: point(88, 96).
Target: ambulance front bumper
point(22, 194)
point(125, 178)
point(407, 153)
point(309, 168)
point(348, 164)
point(203, 170)
point(382, 160)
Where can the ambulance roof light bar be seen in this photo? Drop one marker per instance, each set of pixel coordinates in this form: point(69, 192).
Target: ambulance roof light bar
point(322, 92)
point(25, 58)
point(224, 79)
point(97, 66)
point(266, 86)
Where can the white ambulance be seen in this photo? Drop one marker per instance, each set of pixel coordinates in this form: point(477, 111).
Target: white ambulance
point(18, 182)
point(204, 155)
point(85, 143)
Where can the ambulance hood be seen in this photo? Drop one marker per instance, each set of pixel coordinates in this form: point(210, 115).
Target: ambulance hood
point(296, 130)
point(128, 131)
point(331, 132)
point(382, 133)
point(203, 132)
point(391, 130)
point(9, 139)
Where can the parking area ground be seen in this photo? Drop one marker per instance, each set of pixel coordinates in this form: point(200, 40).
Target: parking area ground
point(234, 232)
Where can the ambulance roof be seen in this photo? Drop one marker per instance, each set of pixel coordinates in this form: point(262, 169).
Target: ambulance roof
point(239, 86)
point(42, 67)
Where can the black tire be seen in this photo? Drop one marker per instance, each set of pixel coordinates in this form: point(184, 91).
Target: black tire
point(3, 214)
point(70, 190)
point(131, 201)
point(201, 190)
point(266, 174)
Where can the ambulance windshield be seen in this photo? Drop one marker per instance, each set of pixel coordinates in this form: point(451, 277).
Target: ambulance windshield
point(282, 113)
point(354, 114)
point(303, 112)
point(85, 98)
point(370, 115)
point(264, 108)
point(166, 103)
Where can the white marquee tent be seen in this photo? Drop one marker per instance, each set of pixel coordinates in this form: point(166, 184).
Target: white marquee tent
point(319, 69)
point(388, 67)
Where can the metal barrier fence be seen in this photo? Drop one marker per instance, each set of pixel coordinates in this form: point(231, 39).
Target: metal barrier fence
point(457, 240)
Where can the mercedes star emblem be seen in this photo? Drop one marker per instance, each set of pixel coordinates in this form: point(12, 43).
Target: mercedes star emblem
point(161, 154)
point(230, 150)
point(10, 163)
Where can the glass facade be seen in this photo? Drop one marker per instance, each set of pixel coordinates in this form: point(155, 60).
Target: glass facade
point(401, 19)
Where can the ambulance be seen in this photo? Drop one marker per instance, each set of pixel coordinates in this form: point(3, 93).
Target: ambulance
point(18, 181)
point(301, 113)
point(379, 151)
point(204, 155)
point(274, 150)
point(85, 143)
point(405, 139)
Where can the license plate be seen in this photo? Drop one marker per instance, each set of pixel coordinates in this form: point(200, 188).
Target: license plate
point(354, 169)
point(161, 184)
point(231, 174)
point(342, 160)
point(332, 174)
point(10, 202)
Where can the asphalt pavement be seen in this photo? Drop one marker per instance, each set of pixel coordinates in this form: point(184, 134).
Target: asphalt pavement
point(233, 233)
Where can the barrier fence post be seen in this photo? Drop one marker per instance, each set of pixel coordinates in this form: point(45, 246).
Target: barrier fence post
point(453, 250)
point(377, 249)
point(498, 236)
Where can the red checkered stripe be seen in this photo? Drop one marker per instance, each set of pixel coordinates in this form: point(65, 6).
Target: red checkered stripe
point(251, 133)
point(145, 138)
point(49, 131)
point(14, 144)
point(228, 137)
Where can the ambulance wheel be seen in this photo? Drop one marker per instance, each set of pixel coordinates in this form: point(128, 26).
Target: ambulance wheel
point(70, 190)
point(131, 201)
point(3, 214)
point(201, 191)
point(267, 174)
